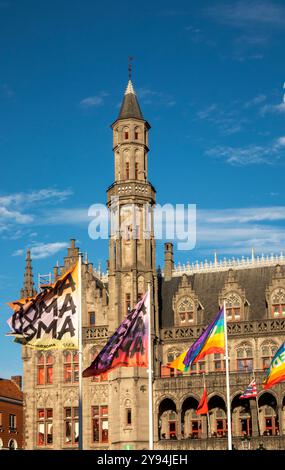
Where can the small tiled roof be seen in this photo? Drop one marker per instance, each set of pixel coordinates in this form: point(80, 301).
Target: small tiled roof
point(9, 389)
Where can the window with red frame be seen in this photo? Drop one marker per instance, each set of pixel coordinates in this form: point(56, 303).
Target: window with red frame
point(71, 426)
point(44, 427)
point(70, 366)
point(45, 363)
point(100, 424)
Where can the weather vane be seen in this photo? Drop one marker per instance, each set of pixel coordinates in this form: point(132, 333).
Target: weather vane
point(130, 67)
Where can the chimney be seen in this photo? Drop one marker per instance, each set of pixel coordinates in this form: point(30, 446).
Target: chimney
point(168, 261)
point(17, 379)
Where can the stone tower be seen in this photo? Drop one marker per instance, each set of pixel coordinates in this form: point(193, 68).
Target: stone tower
point(28, 289)
point(130, 200)
point(131, 262)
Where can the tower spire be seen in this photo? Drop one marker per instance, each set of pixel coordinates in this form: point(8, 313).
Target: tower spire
point(28, 289)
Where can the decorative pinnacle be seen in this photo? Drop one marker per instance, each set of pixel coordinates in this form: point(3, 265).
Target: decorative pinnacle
point(130, 88)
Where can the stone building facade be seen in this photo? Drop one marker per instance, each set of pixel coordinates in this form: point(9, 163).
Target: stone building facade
point(184, 300)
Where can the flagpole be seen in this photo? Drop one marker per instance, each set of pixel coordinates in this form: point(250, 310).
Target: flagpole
point(208, 416)
point(80, 414)
point(227, 381)
point(150, 393)
point(257, 409)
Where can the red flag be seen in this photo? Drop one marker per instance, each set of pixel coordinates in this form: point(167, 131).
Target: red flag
point(203, 405)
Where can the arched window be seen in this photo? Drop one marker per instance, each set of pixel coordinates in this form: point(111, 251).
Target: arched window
point(278, 302)
point(126, 133)
point(136, 170)
point(268, 351)
point(70, 367)
point(186, 311)
point(12, 444)
point(45, 363)
point(137, 133)
point(245, 358)
point(233, 307)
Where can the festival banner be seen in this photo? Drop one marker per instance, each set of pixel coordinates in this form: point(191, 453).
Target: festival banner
point(49, 320)
point(128, 346)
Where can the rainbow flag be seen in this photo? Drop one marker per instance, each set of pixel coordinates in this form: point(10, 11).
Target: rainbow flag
point(212, 340)
point(276, 370)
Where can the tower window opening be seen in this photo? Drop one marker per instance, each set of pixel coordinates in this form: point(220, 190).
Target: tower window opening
point(136, 135)
point(126, 135)
point(127, 170)
point(136, 171)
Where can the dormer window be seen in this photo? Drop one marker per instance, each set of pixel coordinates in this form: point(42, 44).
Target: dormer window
point(278, 303)
point(186, 311)
point(233, 307)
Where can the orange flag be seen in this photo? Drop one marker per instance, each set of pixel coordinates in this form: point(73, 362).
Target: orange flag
point(203, 405)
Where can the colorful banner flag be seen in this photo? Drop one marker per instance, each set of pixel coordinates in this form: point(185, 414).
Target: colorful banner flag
point(49, 320)
point(203, 404)
point(276, 370)
point(250, 391)
point(128, 346)
point(212, 340)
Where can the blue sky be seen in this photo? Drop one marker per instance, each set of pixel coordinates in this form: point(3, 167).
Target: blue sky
point(209, 77)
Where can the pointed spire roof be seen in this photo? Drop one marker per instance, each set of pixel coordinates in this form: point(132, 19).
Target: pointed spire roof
point(28, 289)
point(130, 107)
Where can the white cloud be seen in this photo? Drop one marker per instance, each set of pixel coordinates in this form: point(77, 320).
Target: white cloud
point(43, 250)
point(241, 13)
point(250, 155)
point(72, 216)
point(93, 101)
point(255, 101)
point(273, 108)
point(32, 197)
point(281, 141)
point(235, 231)
point(13, 208)
point(153, 97)
point(14, 216)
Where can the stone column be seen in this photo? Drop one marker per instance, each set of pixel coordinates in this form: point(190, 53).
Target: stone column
point(280, 418)
point(254, 417)
point(178, 431)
